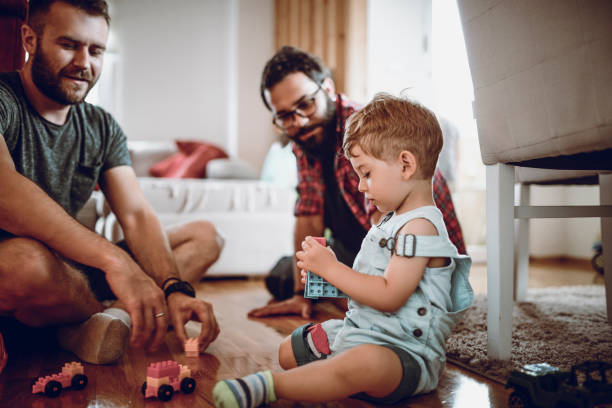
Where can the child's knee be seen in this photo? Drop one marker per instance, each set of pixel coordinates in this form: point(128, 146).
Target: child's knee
point(286, 358)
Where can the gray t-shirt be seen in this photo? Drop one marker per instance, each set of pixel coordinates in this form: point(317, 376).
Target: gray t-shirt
point(65, 161)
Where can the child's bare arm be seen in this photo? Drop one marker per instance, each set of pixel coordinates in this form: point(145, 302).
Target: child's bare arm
point(385, 293)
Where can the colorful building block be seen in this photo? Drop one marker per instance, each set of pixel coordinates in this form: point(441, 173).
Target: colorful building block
point(72, 375)
point(166, 377)
point(192, 347)
point(317, 287)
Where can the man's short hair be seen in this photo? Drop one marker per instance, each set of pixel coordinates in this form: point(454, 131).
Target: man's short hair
point(389, 125)
point(287, 61)
point(38, 9)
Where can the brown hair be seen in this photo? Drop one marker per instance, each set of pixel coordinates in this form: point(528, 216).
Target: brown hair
point(388, 125)
point(287, 61)
point(38, 10)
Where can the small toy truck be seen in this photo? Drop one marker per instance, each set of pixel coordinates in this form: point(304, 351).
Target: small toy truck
point(543, 385)
point(317, 287)
point(72, 375)
point(166, 377)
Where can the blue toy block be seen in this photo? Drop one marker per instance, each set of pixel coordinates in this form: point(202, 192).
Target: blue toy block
point(317, 287)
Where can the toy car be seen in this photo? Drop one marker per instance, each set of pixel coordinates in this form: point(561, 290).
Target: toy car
point(72, 375)
point(317, 287)
point(543, 385)
point(166, 377)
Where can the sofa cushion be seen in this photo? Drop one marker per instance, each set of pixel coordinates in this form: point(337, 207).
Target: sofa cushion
point(189, 162)
point(542, 74)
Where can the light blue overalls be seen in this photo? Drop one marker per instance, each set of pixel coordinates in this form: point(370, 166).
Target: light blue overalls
point(422, 325)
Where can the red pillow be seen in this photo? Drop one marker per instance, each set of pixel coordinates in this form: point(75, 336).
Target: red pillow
point(189, 162)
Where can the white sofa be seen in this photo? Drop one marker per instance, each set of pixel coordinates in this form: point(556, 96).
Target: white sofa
point(254, 217)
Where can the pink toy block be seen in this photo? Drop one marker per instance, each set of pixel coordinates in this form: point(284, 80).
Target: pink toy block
point(192, 347)
point(71, 375)
point(166, 377)
point(321, 240)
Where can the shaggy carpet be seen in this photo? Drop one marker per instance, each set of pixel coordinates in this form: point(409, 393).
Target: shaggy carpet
point(561, 326)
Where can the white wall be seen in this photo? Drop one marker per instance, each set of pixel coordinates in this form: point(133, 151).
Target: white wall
point(399, 48)
point(190, 70)
point(573, 237)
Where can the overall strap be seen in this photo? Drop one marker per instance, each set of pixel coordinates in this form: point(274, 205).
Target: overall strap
point(424, 245)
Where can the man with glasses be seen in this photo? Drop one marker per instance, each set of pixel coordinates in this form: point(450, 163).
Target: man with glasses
point(299, 91)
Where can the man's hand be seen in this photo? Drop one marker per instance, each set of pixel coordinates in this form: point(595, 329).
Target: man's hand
point(142, 299)
point(297, 305)
point(183, 308)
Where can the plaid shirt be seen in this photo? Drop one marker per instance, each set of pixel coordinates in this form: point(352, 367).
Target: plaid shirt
point(311, 187)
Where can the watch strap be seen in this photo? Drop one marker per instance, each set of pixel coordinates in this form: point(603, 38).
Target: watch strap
point(180, 286)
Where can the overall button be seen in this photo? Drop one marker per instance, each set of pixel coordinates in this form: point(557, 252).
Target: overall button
point(417, 332)
point(422, 311)
point(382, 242)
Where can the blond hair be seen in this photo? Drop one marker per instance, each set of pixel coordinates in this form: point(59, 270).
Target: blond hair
point(389, 125)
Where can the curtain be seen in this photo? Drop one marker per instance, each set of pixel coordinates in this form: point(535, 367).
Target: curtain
point(335, 30)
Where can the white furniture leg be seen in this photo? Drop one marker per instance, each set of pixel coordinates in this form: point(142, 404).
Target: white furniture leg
point(605, 198)
point(500, 259)
point(521, 245)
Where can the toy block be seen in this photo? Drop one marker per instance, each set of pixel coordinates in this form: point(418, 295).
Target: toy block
point(166, 377)
point(162, 369)
point(185, 371)
point(71, 375)
point(317, 287)
point(192, 347)
point(72, 368)
point(156, 382)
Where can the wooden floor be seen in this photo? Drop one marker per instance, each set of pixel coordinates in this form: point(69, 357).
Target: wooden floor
point(245, 346)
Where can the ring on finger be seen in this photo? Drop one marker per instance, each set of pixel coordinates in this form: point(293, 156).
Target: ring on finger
point(160, 314)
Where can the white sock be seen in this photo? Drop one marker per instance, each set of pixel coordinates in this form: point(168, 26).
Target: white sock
point(119, 314)
point(101, 339)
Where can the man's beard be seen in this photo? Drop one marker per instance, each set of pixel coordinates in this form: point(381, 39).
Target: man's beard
point(326, 146)
point(51, 85)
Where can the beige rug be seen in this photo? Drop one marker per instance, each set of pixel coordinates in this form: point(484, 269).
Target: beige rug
point(560, 326)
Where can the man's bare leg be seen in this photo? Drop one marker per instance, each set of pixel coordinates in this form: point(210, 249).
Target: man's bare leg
point(196, 246)
point(40, 289)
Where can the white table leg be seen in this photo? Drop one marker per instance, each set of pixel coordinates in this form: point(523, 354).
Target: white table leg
point(521, 245)
point(500, 259)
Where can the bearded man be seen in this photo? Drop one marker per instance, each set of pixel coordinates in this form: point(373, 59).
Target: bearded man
point(300, 93)
point(54, 149)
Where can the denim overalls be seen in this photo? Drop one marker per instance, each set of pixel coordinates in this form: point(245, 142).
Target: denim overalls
point(422, 325)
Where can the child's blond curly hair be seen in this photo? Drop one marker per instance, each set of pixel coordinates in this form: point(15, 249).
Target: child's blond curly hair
point(388, 125)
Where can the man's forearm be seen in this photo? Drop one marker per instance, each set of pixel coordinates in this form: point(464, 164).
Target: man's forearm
point(27, 211)
point(304, 226)
point(149, 245)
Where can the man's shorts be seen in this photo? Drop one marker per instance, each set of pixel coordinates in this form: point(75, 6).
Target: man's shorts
point(411, 369)
point(96, 277)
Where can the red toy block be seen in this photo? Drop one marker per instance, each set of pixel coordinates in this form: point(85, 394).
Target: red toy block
point(321, 240)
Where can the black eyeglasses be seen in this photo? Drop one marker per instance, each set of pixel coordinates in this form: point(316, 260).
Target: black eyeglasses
point(305, 109)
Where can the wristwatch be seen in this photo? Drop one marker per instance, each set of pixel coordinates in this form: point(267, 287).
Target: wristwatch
point(179, 286)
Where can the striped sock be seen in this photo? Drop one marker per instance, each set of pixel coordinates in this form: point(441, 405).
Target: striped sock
point(247, 392)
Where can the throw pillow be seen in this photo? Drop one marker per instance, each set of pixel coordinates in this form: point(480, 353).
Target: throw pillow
point(189, 162)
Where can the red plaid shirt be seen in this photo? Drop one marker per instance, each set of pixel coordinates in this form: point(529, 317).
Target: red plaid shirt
point(311, 187)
